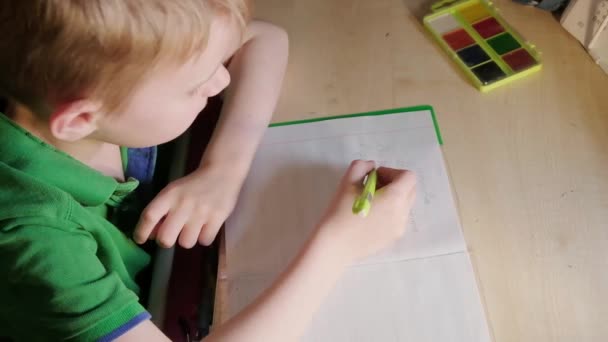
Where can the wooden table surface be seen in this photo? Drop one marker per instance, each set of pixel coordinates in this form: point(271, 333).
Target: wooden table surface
point(528, 162)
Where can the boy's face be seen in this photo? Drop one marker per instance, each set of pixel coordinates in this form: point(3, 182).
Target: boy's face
point(169, 99)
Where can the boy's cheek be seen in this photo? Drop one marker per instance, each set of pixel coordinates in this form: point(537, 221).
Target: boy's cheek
point(149, 125)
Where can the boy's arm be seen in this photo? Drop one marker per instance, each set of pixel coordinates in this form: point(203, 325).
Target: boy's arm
point(284, 311)
point(257, 71)
point(205, 198)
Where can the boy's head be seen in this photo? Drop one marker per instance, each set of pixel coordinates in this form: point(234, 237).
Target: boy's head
point(128, 72)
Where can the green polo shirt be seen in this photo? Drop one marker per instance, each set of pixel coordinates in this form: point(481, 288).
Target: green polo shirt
point(66, 272)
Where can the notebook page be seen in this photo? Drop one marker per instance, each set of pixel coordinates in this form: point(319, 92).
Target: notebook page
point(422, 300)
point(295, 174)
point(421, 289)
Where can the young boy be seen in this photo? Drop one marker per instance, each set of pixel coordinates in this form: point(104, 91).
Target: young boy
point(87, 77)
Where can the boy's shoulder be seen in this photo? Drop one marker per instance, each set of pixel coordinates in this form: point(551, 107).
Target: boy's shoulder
point(51, 270)
point(30, 171)
point(26, 200)
point(61, 261)
point(44, 187)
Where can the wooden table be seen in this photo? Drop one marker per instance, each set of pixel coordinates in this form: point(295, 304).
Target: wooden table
point(528, 162)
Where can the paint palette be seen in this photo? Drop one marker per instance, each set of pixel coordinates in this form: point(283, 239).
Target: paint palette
point(489, 51)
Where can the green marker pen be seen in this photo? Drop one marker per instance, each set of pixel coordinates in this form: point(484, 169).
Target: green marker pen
point(363, 203)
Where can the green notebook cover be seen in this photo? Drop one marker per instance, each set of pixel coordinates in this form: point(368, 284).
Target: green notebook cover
point(379, 112)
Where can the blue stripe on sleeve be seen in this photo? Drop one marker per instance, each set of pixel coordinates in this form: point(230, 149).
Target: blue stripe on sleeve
point(125, 327)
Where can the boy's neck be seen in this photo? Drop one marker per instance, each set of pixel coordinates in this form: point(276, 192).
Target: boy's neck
point(99, 155)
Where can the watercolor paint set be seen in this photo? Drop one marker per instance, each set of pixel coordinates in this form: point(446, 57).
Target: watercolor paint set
point(489, 51)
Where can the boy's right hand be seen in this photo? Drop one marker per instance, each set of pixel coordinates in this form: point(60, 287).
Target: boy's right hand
point(356, 237)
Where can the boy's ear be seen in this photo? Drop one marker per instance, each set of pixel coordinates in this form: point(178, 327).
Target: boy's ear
point(75, 120)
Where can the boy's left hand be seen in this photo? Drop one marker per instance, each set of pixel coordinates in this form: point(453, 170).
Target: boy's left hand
point(191, 209)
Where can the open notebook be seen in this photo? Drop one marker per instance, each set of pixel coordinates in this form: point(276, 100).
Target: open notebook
point(421, 289)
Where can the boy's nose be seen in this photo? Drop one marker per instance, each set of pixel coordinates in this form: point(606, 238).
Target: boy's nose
point(220, 81)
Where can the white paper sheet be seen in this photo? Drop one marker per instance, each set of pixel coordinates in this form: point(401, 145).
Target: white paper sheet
point(292, 179)
point(432, 299)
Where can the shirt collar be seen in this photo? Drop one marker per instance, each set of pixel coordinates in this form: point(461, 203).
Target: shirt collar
point(23, 151)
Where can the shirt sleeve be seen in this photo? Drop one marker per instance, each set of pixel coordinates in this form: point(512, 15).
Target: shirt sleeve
point(57, 288)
